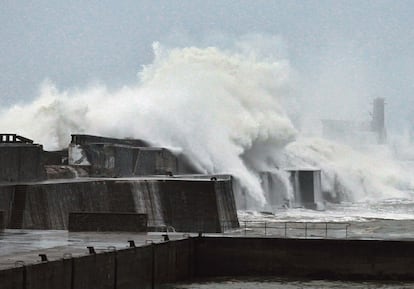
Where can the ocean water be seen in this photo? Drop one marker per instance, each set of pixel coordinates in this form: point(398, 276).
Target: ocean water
point(391, 219)
point(279, 283)
point(282, 283)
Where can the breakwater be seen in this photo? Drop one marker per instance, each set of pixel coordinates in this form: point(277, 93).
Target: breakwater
point(21, 162)
point(155, 264)
point(184, 204)
point(137, 267)
point(306, 258)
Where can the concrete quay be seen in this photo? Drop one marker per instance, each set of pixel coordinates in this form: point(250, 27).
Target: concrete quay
point(24, 246)
point(113, 263)
point(186, 203)
point(150, 264)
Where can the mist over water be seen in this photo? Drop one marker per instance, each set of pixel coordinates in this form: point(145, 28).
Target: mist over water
point(231, 111)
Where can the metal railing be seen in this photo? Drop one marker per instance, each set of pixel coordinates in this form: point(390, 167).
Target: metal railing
point(13, 138)
point(262, 228)
point(294, 229)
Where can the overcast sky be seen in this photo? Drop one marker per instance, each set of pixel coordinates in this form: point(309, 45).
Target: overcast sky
point(364, 48)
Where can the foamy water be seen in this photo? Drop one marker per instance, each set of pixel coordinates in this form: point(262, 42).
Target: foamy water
point(392, 209)
point(391, 219)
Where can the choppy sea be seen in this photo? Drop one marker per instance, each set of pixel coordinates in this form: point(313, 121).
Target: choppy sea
point(391, 219)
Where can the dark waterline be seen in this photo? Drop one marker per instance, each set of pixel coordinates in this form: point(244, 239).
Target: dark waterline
point(280, 283)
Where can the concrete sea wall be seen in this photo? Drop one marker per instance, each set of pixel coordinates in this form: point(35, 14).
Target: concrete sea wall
point(21, 162)
point(325, 259)
point(141, 267)
point(183, 260)
point(226, 204)
point(107, 222)
point(183, 204)
point(82, 139)
point(205, 206)
point(121, 159)
point(115, 160)
point(6, 201)
point(108, 157)
point(305, 184)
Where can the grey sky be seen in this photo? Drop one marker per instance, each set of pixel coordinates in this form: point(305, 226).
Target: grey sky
point(365, 48)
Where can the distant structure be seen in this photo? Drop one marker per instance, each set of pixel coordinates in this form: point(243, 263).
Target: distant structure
point(287, 188)
point(14, 138)
point(350, 131)
point(20, 159)
point(347, 131)
point(378, 119)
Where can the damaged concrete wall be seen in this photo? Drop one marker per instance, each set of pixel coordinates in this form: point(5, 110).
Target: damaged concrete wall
point(113, 160)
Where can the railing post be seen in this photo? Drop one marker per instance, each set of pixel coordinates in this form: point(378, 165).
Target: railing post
point(326, 230)
point(285, 229)
point(245, 228)
point(265, 228)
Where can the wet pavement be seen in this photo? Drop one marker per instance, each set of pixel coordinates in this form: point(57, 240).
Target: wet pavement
point(196, 177)
point(19, 247)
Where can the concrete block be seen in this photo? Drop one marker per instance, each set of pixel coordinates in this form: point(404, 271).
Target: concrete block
point(107, 221)
point(275, 189)
point(21, 162)
point(154, 161)
point(307, 188)
point(118, 160)
point(226, 204)
point(190, 205)
point(84, 139)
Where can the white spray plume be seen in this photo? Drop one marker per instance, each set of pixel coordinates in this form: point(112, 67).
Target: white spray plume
point(350, 174)
point(228, 111)
point(212, 104)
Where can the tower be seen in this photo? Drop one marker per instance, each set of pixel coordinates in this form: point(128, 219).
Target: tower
point(378, 119)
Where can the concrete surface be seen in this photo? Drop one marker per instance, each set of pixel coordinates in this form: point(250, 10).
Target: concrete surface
point(183, 203)
point(113, 264)
point(107, 221)
point(26, 245)
point(21, 162)
point(149, 265)
point(305, 258)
